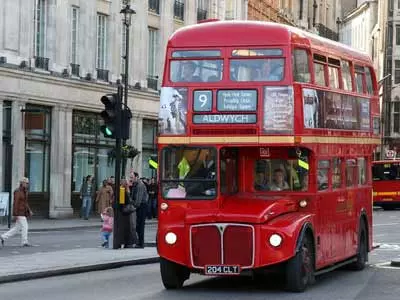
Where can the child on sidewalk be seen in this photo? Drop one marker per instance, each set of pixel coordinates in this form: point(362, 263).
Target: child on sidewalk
point(107, 228)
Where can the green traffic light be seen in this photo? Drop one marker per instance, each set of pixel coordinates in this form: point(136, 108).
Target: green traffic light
point(108, 131)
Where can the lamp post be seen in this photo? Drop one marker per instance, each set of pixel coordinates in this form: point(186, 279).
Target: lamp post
point(315, 6)
point(127, 13)
point(338, 22)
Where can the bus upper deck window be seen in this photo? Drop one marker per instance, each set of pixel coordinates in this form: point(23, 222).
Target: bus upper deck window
point(196, 70)
point(270, 69)
point(301, 68)
point(346, 76)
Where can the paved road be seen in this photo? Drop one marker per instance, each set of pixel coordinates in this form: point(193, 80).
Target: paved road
point(62, 240)
point(143, 283)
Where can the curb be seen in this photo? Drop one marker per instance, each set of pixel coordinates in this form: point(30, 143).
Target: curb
point(395, 263)
point(76, 270)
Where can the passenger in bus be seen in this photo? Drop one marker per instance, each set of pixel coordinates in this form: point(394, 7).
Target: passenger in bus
point(279, 183)
point(260, 183)
point(188, 72)
point(271, 70)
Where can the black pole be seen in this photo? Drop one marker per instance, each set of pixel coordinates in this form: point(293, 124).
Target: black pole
point(126, 85)
point(8, 183)
point(117, 234)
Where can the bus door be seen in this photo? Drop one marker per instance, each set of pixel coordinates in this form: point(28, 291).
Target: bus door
point(326, 207)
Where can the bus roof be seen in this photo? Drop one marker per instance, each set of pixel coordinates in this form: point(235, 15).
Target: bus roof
point(256, 33)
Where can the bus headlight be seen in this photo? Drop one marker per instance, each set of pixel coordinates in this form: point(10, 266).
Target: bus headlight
point(275, 240)
point(170, 238)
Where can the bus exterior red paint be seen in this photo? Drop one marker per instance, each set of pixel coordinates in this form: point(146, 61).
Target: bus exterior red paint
point(386, 183)
point(265, 141)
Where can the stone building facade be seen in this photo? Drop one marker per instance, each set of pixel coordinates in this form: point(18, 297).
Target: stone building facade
point(57, 58)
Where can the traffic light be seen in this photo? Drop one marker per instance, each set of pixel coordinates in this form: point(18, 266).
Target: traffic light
point(110, 128)
point(126, 116)
point(153, 161)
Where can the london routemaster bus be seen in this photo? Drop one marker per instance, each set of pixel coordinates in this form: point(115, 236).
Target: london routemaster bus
point(265, 143)
point(386, 183)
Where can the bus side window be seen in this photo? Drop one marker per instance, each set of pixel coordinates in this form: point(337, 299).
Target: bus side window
point(301, 68)
point(362, 170)
point(359, 74)
point(351, 172)
point(322, 175)
point(346, 76)
point(368, 79)
point(319, 70)
point(336, 173)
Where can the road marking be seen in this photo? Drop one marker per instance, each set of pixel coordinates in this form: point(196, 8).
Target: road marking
point(387, 224)
point(388, 246)
point(385, 265)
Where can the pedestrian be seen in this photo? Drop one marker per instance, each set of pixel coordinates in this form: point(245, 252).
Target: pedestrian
point(104, 197)
point(127, 220)
point(21, 211)
point(153, 193)
point(107, 227)
point(87, 194)
point(140, 198)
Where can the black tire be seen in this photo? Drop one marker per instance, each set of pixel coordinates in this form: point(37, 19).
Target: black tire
point(362, 252)
point(173, 275)
point(300, 268)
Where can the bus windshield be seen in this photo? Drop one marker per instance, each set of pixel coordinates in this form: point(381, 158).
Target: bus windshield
point(188, 173)
point(386, 171)
point(280, 175)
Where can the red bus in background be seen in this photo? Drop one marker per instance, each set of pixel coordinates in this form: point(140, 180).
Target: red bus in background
point(266, 135)
point(386, 183)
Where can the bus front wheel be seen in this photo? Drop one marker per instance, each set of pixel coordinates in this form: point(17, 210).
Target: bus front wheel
point(300, 268)
point(173, 275)
point(362, 252)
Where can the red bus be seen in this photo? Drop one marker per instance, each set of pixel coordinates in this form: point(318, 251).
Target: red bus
point(266, 135)
point(386, 183)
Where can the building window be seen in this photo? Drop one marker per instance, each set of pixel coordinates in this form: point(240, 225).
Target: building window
point(152, 79)
point(396, 116)
point(390, 34)
point(397, 34)
point(230, 9)
point(37, 147)
point(154, 6)
point(74, 41)
point(91, 151)
point(397, 71)
point(101, 41)
point(148, 146)
point(179, 10)
point(40, 36)
point(202, 8)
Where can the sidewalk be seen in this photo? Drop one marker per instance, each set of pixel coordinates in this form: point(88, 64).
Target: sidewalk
point(56, 263)
point(39, 225)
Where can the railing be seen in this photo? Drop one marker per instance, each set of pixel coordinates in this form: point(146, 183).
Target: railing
point(326, 32)
point(152, 82)
point(102, 75)
point(179, 10)
point(42, 63)
point(201, 14)
point(154, 6)
point(75, 69)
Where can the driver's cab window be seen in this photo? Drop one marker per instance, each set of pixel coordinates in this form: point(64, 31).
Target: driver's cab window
point(280, 175)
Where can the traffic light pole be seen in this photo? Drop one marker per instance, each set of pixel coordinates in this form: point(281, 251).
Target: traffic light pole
point(117, 212)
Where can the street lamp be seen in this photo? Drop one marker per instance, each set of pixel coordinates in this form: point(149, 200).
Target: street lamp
point(315, 6)
point(338, 22)
point(127, 12)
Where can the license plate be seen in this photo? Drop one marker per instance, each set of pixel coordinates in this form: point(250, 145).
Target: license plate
point(222, 270)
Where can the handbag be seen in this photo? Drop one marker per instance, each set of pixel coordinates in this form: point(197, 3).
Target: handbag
point(128, 209)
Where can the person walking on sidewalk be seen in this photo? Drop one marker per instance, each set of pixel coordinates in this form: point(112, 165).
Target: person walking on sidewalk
point(107, 228)
point(140, 198)
point(21, 211)
point(87, 194)
point(104, 197)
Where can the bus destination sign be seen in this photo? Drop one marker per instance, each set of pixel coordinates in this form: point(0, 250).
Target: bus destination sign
point(237, 100)
point(225, 119)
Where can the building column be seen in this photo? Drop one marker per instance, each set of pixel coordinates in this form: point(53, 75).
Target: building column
point(1, 147)
point(136, 141)
point(18, 141)
point(60, 185)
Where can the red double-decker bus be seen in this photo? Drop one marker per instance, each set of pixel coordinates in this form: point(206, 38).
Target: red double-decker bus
point(386, 183)
point(265, 142)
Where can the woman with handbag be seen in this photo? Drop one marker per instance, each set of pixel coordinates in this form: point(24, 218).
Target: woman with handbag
point(128, 218)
